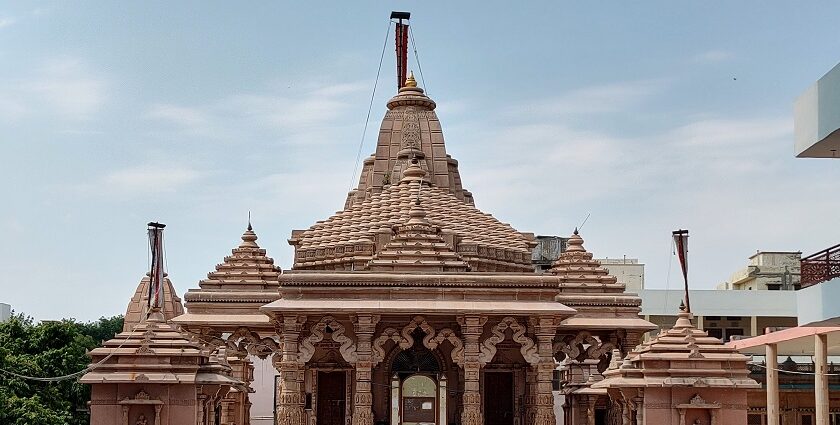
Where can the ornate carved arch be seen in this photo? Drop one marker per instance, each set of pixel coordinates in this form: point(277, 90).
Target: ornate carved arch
point(404, 340)
point(316, 335)
point(527, 346)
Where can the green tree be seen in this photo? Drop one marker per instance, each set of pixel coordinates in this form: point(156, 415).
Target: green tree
point(47, 349)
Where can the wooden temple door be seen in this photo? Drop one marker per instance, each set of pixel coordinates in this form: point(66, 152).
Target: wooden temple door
point(331, 398)
point(498, 398)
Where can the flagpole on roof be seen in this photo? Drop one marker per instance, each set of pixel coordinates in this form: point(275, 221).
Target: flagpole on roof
point(681, 245)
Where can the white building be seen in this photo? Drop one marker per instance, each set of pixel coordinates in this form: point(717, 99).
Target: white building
point(816, 118)
point(767, 270)
point(628, 271)
point(5, 312)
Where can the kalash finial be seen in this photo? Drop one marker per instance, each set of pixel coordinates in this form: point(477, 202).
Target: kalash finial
point(410, 81)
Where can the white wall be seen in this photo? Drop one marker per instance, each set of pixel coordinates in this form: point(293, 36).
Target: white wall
point(819, 303)
point(661, 302)
point(627, 271)
point(5, 312)
point(262, 399)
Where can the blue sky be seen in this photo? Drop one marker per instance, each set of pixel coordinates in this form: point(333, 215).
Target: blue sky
point(649, 117)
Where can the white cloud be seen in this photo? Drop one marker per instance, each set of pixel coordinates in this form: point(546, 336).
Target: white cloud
point(69, 87)
point(613, 97)
point(180, 115)
point(712, 56)
point(149, 178)
point(6, 22)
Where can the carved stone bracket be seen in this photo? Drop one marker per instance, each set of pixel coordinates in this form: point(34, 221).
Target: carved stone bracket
point(347, 347)
point(582, 346)
point(528, 348)
point(244, 341)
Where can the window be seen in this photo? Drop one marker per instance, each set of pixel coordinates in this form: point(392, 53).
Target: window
point(717, 333)
point(754, 419)
point(806, 419)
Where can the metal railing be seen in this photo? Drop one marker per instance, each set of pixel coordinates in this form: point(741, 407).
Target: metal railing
point(820, 267)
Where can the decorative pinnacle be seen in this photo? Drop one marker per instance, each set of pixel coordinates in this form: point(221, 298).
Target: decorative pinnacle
point(576, 231)
point(410, 81)
point(249, 238)
point(575, 243)
point(682, 306)
point(249, 221)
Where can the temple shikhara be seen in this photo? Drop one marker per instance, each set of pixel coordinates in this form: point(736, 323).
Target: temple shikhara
point(408, 306)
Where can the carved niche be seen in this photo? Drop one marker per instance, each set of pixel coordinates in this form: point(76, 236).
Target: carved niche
point(347, 347)
point(527, 346)
point(404, 340)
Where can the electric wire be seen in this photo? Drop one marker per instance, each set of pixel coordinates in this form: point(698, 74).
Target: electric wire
point(74, 375)
point(794, 372)
point(417, 59)
point(370, 107)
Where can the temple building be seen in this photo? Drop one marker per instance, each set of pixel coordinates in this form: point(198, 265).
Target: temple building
point(408, 306)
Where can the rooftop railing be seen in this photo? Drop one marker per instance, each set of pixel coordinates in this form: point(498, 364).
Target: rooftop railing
point(820, 267)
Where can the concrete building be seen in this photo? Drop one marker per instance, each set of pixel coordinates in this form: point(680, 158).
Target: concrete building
point(802, 393)
point(817, 118)
point(724, 314)
point(5, 312)
point(628, 271)
point(767, 270)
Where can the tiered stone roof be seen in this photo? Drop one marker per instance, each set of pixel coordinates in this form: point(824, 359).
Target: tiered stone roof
point(417, 246)
point(679, 357)
point(247, 268)
point(576, 265)
point(154, 351)
point(138, 306)
point(352, 237)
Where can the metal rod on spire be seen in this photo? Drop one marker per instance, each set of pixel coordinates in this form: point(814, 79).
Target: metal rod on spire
point(681, 244)
point(156, 273)
point(401, 45)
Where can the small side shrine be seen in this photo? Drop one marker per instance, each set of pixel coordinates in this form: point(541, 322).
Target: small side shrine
point(680, 377)
point(152, 373)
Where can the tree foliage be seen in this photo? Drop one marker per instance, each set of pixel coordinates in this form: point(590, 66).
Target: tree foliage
point(47, 349)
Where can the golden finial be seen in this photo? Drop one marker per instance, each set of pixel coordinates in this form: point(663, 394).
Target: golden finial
point(410, 81)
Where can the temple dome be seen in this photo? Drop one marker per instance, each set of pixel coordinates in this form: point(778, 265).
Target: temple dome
point(351, 238)
point(138, 306)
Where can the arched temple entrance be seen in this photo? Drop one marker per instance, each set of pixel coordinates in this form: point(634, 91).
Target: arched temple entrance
point(418, 388)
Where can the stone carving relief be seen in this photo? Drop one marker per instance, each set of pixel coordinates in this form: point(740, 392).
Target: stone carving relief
point(528, 348)
point(582, 346)
point(244, 341)
point(404, 340)
point(347, 347)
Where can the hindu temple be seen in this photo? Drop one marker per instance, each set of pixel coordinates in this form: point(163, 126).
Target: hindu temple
point(409, 306)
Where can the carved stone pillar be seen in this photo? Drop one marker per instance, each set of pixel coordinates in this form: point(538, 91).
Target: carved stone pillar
point(365, 326)
point(530, 395)
point(472, 327)
point(544, 406)
point(291, 400)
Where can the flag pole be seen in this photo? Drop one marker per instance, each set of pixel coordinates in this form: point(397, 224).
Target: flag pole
point(681, 244)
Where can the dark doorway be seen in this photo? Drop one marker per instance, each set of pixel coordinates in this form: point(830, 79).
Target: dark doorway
point(498, 398)
point(331, 398)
